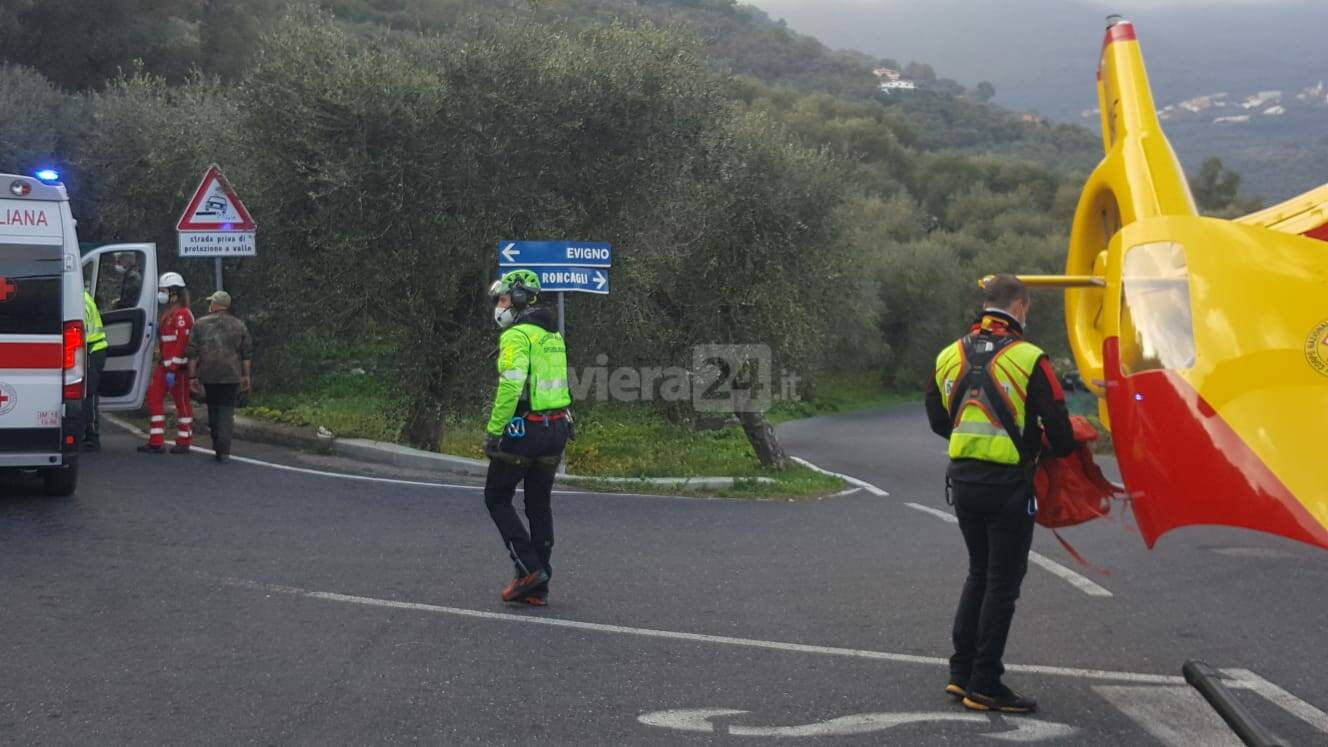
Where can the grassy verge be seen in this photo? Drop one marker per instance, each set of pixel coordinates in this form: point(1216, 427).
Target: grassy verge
point(622, 441)
point(840, 395)
point(612, 440)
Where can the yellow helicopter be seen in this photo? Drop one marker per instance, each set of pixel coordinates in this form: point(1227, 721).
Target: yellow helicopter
point(1205, 340)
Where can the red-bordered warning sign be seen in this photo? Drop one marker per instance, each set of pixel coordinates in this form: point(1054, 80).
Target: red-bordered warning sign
point(215, 207)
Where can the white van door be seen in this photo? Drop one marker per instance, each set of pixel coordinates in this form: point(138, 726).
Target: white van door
point(123, 282)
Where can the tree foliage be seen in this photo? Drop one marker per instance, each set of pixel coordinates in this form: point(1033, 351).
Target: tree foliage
point(1217, 191)
point(386, 147)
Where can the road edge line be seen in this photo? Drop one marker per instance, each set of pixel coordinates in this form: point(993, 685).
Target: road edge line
point(131, 428)
point(846, 478)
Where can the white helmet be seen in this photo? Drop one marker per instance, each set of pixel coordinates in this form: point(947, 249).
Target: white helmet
point(171, 280)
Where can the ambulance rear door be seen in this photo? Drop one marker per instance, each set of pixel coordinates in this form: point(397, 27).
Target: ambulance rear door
point(123, 282)
point(32, 321)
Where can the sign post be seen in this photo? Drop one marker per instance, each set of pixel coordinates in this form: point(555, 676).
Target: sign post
point(216, 224)
point(563, 267)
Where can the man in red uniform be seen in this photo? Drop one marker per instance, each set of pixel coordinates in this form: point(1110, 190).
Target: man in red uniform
point(172, 375)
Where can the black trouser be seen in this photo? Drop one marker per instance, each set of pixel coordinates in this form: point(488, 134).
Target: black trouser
point(221, 414)
point(998, 530)
point(91, 421)
point(533, 459)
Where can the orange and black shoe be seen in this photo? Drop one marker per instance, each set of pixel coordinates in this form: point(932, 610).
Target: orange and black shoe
point(523, 586)
point(957, 687)
point(1002, 700)
point(539, 598)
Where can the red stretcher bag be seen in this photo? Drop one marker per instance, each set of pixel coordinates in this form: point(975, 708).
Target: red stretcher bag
point(1071, 490)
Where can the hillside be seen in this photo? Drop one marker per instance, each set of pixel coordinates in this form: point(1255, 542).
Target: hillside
point(758, 187)
point(1040, 56)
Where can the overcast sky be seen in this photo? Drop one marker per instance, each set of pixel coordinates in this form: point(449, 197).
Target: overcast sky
point(1042, 54)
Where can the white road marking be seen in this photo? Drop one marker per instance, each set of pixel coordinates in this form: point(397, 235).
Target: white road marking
point(305, 470)
point(687, 719)
point(851, 480)
point(1090, 674)
point(699, 720)
point(1082, 583)
point(1175, 716)
point(1288, 702)
point(393, 480)
point(942, 515)
point(1079, 582)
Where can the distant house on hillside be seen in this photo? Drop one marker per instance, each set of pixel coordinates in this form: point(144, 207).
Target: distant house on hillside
point(1030, 118)
point(1275, 111)
point(1238, 119)
point(1314, 94)
point(890, 86)
point(886, 73)
point(1258, 100)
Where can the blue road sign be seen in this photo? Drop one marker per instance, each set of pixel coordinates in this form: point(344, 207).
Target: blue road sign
point(554, 254)
point(565, 278)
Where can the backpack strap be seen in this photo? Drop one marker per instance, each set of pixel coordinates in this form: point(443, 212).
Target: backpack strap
point(979, 352)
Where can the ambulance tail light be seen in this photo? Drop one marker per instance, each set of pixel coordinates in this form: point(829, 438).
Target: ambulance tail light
point(74, 361)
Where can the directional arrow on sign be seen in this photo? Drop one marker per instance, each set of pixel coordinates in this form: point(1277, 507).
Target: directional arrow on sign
point(510, 252)
point(600, 280)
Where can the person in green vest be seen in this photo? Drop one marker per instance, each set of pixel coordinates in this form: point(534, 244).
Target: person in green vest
point(527, 431)
point(96, 350)
point(992, 395)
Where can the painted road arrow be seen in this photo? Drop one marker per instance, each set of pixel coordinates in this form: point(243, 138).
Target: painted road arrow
point(699, 720)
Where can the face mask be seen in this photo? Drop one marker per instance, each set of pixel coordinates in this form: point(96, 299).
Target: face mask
point(163, 297)
point(503, 317)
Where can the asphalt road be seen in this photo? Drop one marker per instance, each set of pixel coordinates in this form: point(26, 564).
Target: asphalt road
point(178, 601)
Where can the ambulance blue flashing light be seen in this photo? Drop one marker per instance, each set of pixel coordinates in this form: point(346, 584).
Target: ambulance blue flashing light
point(48, 176)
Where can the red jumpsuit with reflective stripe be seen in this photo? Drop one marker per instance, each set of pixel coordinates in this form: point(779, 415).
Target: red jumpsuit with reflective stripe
point(173, 338)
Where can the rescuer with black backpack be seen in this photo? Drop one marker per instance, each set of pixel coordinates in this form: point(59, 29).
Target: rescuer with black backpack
point(992, 395)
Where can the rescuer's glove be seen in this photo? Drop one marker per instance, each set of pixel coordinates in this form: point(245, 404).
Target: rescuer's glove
point(170, 379)
point(492, 445)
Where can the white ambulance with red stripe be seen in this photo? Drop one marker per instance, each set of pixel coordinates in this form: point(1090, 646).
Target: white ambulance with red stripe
point(42, 353)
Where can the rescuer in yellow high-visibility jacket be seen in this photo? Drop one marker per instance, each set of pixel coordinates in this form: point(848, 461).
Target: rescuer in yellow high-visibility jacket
point(992, 395)
point(96, 345)
point(527, 431)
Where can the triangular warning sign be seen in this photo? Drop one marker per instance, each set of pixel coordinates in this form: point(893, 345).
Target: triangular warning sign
point(215, 207)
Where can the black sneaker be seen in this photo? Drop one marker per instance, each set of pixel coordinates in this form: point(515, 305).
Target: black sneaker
point(1003, 700)
point(522, 587)
point(957, 686)
point(222, 458)
point(150, 449)
point(179, 449)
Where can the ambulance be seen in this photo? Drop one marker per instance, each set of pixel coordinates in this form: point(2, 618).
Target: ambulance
point(42, 355)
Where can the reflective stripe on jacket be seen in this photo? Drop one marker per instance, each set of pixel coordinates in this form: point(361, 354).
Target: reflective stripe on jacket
point(532, 364)
point(173, 338)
